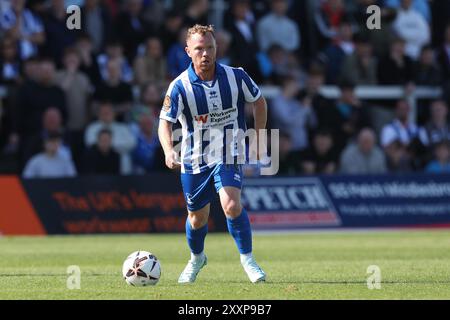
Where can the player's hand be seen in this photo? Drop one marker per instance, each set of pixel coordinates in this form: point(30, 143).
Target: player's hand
point(262, 148)
point(171, 160)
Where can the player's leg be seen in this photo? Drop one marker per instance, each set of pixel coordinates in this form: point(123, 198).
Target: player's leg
point(228, 184)
point(198, 193)
point(196, 230)
point(237, 219)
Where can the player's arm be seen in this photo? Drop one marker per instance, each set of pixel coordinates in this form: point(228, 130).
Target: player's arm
point(172, 107)
point(260, 113)
point(165, 138)
point(252, 94)
point(260, 121)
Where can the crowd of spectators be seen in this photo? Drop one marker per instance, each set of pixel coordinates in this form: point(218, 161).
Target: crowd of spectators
point(87, 101)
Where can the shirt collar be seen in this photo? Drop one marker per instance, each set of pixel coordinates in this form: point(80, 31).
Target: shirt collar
point(194, 78)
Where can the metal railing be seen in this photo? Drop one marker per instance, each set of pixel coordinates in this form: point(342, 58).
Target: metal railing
point(375, 92)
point(362, 92)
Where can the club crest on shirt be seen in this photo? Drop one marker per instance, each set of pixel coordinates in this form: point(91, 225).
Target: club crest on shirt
point(166, 103)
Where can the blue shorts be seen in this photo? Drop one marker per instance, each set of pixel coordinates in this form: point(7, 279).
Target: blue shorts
point(198, 188)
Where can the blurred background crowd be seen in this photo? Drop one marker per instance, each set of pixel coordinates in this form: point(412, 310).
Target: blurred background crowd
point(87, 101)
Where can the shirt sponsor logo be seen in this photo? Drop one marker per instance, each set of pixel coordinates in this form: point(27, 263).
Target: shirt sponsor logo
point(202, 118)
point(220, 118)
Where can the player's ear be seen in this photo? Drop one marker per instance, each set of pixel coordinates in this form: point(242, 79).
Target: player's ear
point(187, 51)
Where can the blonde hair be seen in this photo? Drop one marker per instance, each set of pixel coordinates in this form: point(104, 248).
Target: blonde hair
point(198, 28)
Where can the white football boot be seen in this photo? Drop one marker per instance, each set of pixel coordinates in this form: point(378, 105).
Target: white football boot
point(253, 270)
point(192, 269)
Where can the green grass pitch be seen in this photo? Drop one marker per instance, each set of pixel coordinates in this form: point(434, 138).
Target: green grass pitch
point(329, 265)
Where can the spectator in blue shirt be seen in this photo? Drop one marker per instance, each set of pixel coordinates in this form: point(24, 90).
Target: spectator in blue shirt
point(58, 36)
point(114, 51)
point(21, 24)
point(10, 64)
point(177, 58)
point(441, 164)
point(334, 55)
point(147, 155)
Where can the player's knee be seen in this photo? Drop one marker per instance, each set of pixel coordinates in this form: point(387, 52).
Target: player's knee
point(197, 221)
point(232, 209)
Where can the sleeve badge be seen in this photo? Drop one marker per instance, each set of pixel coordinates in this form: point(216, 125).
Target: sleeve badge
point(166, 103)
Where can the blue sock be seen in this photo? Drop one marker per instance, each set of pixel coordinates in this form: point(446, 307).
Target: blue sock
point(241, 231)
point(196, 238)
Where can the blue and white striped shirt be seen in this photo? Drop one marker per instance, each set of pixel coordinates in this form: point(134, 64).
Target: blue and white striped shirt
point(31, 24)
point(206, 108)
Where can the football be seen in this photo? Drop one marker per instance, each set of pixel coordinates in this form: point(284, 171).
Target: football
point(141, 268)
